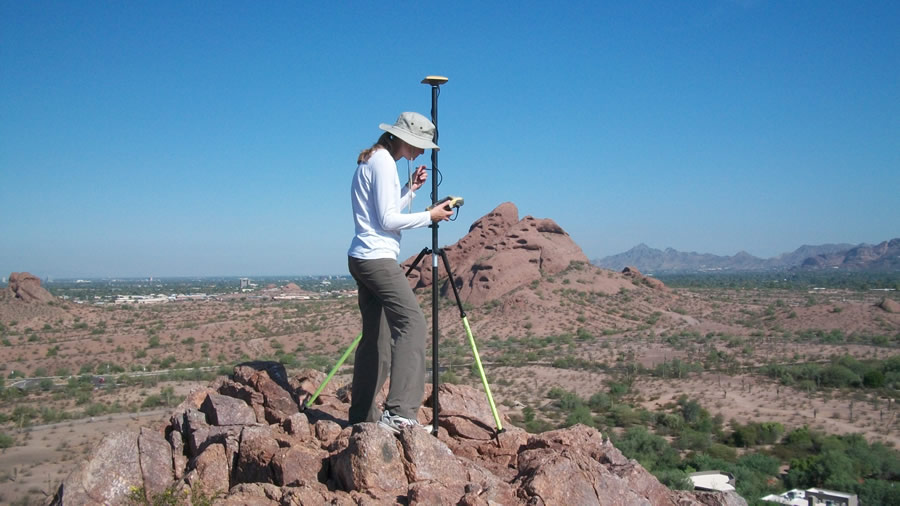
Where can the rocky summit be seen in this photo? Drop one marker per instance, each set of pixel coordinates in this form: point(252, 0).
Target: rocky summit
point(244, 440)
point(501, 253)
point(27, 287)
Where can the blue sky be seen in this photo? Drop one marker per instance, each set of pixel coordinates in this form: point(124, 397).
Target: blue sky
point(219, 138)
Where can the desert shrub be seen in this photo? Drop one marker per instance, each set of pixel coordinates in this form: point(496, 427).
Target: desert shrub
point(600, 401)
point(581, 414)
point(24, 415)
point(569, 401)
point(755, 433)
point(689, 439)
point(839, 376)
point(675, 369)
point(623, 415)
point(668, 423)
point(555, 393)
point(51, 415)
point(652, 451)
point(537, 426)
point(761, 463)
point(721, 452)
point(617, 389)
point(95, 409)
point(675, 479)
point(450, 377)
point(6, 440)
point(873, 379)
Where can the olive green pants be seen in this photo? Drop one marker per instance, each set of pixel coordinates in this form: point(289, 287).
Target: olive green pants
point(393, 342)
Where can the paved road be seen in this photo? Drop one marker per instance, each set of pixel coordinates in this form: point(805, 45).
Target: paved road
point(100, 379)
point(91, 419)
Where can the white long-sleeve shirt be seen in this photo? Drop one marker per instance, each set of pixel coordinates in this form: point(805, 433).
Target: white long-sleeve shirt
point(377, 204)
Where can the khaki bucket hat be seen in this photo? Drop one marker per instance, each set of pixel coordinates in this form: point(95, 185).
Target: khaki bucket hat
point(413, 128)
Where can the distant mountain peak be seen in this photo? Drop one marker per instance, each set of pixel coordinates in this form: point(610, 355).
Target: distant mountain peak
point(884, 256)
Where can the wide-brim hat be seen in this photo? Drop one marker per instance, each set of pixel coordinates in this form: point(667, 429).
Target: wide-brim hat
point(414, 129)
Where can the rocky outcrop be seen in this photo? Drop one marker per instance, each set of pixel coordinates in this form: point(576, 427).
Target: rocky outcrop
point(889, 305)
point(501, 253)
point(27, 287)
point(639, 279)
point(244, 440)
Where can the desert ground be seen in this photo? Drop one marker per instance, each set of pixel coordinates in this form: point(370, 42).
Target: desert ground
point(577, 330)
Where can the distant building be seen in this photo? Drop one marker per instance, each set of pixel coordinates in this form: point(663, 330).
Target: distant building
point(245, 283)
point(715, 481)
point(813, 497)
point(822, 497)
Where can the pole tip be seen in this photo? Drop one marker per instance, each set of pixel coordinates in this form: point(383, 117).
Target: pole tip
point(435, 80)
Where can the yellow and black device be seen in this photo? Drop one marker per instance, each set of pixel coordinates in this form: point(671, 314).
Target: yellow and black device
point(449, 202)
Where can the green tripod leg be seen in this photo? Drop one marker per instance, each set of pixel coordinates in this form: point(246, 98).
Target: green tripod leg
point(484, 381)
point(334, 369)
point(465, 319)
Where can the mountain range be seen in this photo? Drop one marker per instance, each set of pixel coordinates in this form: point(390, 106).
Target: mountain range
point(882, 257)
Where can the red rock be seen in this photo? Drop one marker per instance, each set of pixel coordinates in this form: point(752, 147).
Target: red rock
point(212, 470)
point(156, 462)
point(257, 448)
point(372, 462)
point(429, 459)
point(638, 278)
point(365, 464)
point(27, 287)
point(108, 476)
point(501, 253)
point(298, 465)
point(224, 410)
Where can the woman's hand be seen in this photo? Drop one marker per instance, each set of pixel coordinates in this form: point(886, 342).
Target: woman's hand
point(441, 213)
point(418, 178)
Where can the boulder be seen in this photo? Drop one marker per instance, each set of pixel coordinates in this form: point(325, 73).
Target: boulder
point(27, 287)
point(429, 459)
point(108, 477)
point(156, 464)
point(299, 465)
point(212, 470)
point(638, 279)
point(224, 410)
point(889, 305)
point(257, 448)
point(371, 462)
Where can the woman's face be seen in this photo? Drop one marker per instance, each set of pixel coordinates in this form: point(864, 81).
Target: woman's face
point(408, 151)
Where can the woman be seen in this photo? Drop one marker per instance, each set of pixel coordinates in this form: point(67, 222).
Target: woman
point(393, 340)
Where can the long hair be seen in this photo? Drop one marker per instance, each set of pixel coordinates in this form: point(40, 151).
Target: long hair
point(386, 141)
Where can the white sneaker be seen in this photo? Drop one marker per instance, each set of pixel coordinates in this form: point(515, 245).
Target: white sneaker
point(396, 423)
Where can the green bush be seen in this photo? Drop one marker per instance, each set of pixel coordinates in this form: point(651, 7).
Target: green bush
point(652, 451)
point(581, 414)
